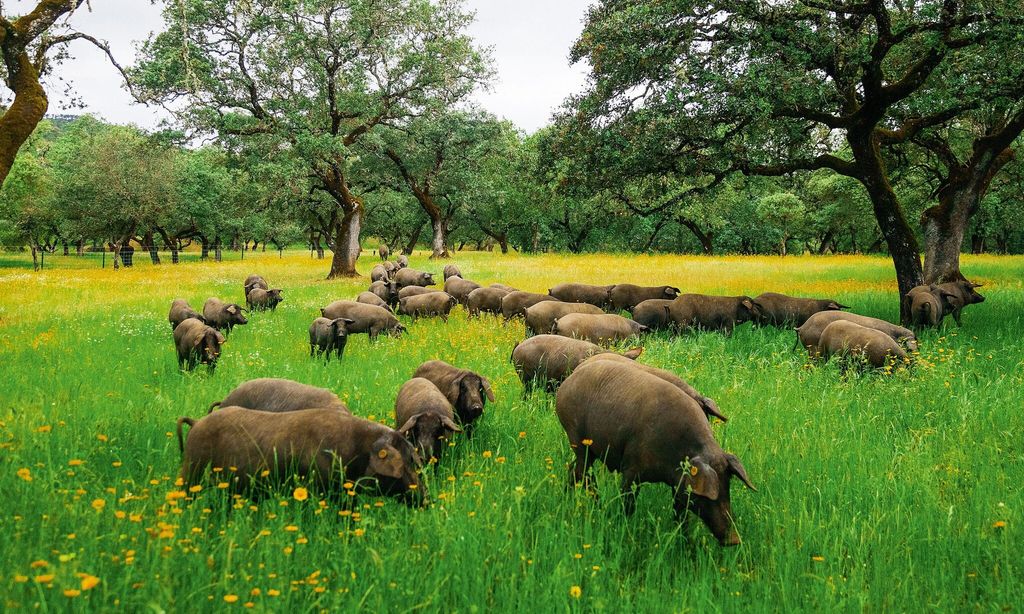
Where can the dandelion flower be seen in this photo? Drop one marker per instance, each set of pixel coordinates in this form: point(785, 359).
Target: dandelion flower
point(89, 582)
point(586, 442)
point(72, 592)
point(75, 462)
point(999, 524)
point(25, 473)
point(300, 494)
point(98, 504)
point(229, 598)
point(575, 592)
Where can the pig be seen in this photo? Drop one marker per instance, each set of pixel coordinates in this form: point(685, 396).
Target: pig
point(540, 318)
point(330, 446)
point(514, 304)
point(389, 268)
point(412, 277)
point(424, 415)
point(181, 311)
point(223, 316)
point(378, 273)
point(279, 395)
point(598, 296)
point(450, 270)
point(929, 305)
point(719, 313)
point(627, 296)
point(460, 289)
point(387, 291)
point(372, 299)
point(485, 299)
point(809, 334)
point(429, 304)
point(196, 342)
point(402, 261)
point(653, 313)
point(707, 405)
point(599, 329)
point(776, 309)
point(844, 338)
point(259, 299)
point(369, 319)
point(255, 281)
point(548, 359)
point(384, 251)
point(328, 335)
point(467, 391)
point(649, 430)
point(504, 287)
point(408, 291)
point(965, 294)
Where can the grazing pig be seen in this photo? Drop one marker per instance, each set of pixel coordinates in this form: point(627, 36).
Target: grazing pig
point(328, 335)
point(464, 389)
point(223, 316)
point(628, 296)
point(259, 299)
point(402, 261)
point(412, 277)
point(429, 304)
point(598, 296)
point(279, 395)
point(389, 268)
point(650, 431)
point(369, 319)
point(549, 359)
point(707, 405)
point(424, 415)
point(653, 313)
point(485, 299)
point(965, 294)
point(197, 342)
point(844, 338)
point(599, 329)
point(460, 289)
point(514, 303)
point(378, 273)
point(387, 291)
point(408, 291)
point(384, 251)
point(809, 334)
point(540, 319)
point(255, 281)
point(450, 270)
point(372, 299)
point(930, 304)
point(181, 311)
point(776, 309)
point(702, 311)
point(328, 445)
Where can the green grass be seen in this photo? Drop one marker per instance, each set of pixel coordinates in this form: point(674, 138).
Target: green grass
point(874, 493)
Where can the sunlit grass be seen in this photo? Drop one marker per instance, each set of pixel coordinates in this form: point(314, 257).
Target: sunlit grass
point(875, 493)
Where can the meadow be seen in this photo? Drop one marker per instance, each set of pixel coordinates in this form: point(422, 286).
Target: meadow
point(875, 492)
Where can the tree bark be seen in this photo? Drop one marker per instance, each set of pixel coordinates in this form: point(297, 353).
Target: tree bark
point(80, 247)
point(413, 239)
point(35, 257)
point(346, 246)
point(26, 111)
point(438, 247)
point(706, 238)
point(154, 253)
point(218, 251)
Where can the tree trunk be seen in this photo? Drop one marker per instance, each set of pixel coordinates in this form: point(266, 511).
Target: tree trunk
point(35, 257)
point(154, 253)
point(205, 250)
point(175, 255)
point(535, 241)
point(503, 243)
point(346, 245)
point(218, 252)
point(115, 249)
point(413, 238)
point(80, 247)
point(705, 238)
point(977, 243)
point(945, 225)
point(26, 111)
point(438, 247)
point(826, 241)
point(66, 249)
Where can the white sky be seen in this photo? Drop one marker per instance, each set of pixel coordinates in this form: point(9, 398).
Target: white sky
point(530, 40)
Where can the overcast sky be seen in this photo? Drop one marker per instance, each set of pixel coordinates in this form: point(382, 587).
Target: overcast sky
point(530, 40)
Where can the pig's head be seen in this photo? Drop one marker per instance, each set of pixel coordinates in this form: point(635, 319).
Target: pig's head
point(235, 315)
point(705, 492)
point(429, 433)
point(427, 279)
point(971, 295)
point(274, 296)
point(670, 292)
point(208, 345)
point(395, 465)
point(467, 393)
point(397, 329)
point(830, 305)
point(747, 310)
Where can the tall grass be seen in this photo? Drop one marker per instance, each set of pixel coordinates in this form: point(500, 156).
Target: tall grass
point(874, 493)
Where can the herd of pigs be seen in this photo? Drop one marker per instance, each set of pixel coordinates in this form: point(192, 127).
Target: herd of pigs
point(646, 423)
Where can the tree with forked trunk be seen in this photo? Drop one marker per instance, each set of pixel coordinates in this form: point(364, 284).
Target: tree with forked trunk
point(311, 82)
point(798, 85)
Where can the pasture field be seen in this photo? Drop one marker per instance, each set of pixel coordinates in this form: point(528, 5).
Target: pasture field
point(874, 493)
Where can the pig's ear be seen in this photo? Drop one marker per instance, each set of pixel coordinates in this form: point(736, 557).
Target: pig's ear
point(634, 353)
point(837, 306)
point(450, 425)
point(409, 425)
point(702, 479)
point(220, 338)
point(749, 304)
point(736, 467)
point(487, 389)
point(386, 461)
point(232, 309)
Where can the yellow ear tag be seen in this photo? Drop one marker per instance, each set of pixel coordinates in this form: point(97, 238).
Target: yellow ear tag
point(382, 454)
point(693, 471)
